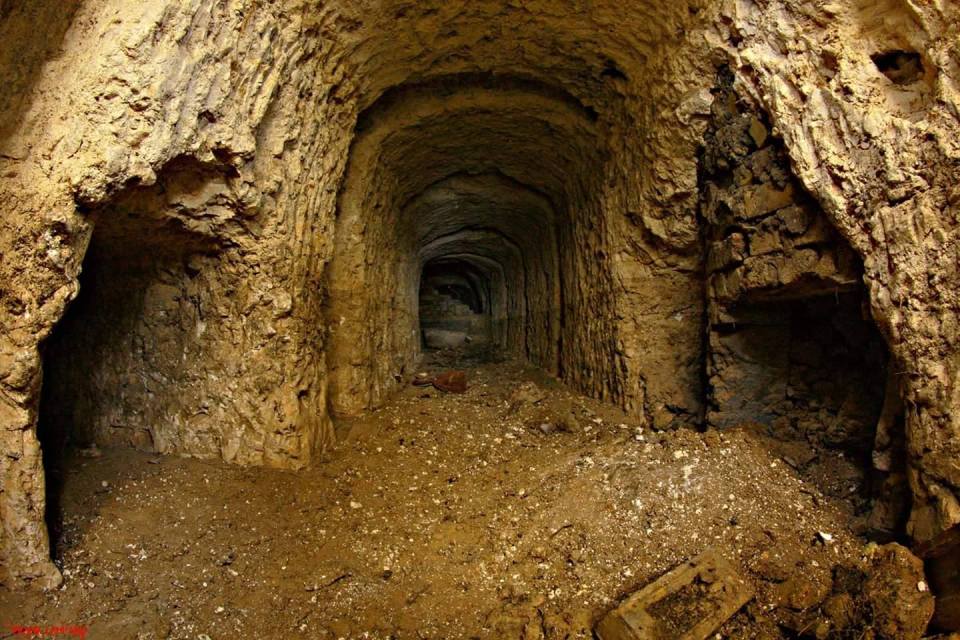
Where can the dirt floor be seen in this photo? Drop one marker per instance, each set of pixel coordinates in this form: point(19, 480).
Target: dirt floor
point(515, 510)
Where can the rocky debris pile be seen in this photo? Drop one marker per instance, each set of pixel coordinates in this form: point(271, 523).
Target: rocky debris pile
point(448, 323)
point(528, 404)
point(437, 338)
point(790, 344)
point(942, 560)
point(884, 596)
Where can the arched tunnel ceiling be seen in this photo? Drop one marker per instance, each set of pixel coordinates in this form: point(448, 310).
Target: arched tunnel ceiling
point(578, 45)
point(489, 269)
point(481, 243)
point(488, 201)
point(535, 135)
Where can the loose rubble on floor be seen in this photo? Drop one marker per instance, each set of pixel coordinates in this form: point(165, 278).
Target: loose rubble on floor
point(515, 509)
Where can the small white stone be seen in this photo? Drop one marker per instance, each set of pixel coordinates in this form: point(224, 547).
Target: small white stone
point(921, 586)
point(355, 505)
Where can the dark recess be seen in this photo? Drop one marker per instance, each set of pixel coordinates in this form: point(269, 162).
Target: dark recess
point(900, 67)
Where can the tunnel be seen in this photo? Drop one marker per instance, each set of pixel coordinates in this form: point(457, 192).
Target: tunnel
point(455, 304)
point(691, 266)
point(498, 176)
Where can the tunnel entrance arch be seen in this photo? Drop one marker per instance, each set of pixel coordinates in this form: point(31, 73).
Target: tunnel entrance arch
point(504, 170)
point(456, 303)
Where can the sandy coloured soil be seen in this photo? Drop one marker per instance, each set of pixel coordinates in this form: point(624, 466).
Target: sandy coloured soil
point(495, 513)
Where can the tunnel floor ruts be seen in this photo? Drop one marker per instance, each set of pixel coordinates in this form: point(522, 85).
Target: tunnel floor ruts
point(519, 507)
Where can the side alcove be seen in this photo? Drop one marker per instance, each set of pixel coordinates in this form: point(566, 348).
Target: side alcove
point(792, 346)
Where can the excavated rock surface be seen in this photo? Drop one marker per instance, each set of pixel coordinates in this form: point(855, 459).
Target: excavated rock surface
point(257, 181)
point(787, 340)
point(877, 147)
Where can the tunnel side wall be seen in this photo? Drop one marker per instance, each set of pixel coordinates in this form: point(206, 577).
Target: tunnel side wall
point(127, 95)
point(879, 152)
point(789, 334)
